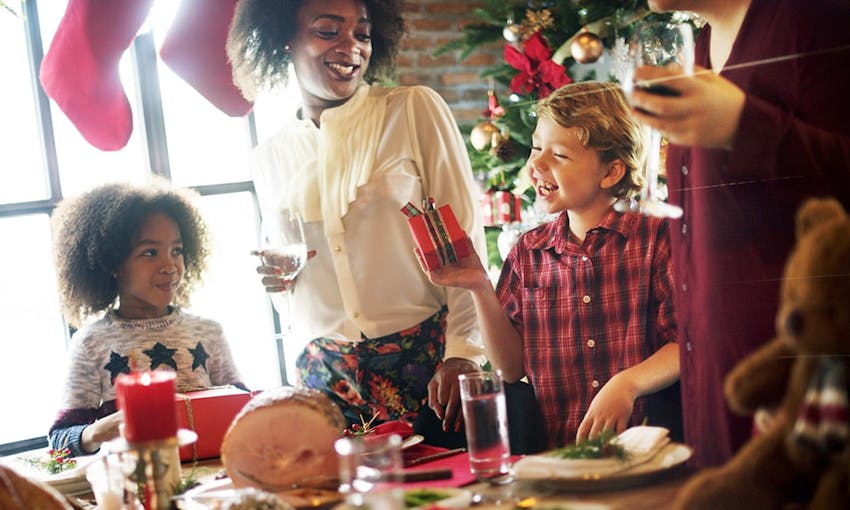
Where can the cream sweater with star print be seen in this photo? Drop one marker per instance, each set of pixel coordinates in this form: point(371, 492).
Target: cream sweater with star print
point(192, 346)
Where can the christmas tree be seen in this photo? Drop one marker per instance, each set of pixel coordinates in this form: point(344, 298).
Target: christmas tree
point(547, 44)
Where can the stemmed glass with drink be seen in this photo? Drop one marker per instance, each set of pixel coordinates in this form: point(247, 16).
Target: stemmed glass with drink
point(656, 43)
point(283, 246)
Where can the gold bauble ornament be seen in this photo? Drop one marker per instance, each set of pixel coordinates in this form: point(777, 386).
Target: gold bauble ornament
point(587, 47)
point(482, 135)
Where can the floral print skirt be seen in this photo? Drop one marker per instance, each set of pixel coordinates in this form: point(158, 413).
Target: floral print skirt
point(384, 377)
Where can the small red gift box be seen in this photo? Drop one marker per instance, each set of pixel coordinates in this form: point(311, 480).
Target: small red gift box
point(437, 233)
point(508, 207)
point(499, 207)
point(209, 413)
point(486, 205)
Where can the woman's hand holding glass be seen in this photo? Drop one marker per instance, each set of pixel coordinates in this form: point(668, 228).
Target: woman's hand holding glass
point(283, 254)
point(706, 112)
point(660, 44)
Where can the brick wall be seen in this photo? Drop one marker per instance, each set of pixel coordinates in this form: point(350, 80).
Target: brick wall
point(430, 23)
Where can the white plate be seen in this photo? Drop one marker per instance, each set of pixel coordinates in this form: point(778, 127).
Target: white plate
point(669, 457)
point(214, 494)
point(411, 440)
point(70, 482)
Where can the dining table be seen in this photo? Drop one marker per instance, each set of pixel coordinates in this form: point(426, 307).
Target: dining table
point(655, 492)
point(650, 493)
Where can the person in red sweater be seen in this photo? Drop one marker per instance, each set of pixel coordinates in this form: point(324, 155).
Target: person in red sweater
point(760, 126)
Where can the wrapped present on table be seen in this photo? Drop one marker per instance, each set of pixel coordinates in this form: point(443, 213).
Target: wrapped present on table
point(209, 413)
point(437, 233)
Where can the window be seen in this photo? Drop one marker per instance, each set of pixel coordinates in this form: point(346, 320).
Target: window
point(44, 159)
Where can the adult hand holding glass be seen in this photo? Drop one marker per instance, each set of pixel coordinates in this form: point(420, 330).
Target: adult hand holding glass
point(706, 112)
point(660, 44)
point(283, 255)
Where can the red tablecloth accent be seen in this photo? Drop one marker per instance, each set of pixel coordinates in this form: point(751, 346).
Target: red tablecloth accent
point(459, 464)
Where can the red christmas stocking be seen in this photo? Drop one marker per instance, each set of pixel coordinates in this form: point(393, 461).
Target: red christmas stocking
point(194, 48)
point(80, 70)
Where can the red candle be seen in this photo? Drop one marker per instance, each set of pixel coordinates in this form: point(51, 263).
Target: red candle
point(147, 399)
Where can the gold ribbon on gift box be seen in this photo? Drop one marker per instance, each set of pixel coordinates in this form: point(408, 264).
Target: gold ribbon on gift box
point(190, 418)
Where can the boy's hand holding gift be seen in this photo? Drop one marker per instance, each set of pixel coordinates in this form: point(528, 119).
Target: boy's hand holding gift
point(467, 273)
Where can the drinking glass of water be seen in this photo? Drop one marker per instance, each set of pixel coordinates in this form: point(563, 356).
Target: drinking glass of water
point(485, 417)
point(283, 246)
point(370, 469)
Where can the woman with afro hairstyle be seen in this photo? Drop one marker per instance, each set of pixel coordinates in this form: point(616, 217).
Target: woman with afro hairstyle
point(134, 252)
point(381, 340)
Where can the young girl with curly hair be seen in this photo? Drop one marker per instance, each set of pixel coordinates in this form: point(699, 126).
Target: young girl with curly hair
point(383, 340)
point(135, 253)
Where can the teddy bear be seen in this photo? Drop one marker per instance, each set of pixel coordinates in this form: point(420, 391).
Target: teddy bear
point(802, 459)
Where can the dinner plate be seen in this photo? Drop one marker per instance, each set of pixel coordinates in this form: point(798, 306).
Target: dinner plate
point(669, 457)
point(215, 494)
point(411, 440)
point(70, 482)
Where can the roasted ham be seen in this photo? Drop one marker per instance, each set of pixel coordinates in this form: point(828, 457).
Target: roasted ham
point(283, 438)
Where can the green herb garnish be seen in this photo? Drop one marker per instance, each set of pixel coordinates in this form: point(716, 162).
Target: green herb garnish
point(420, 497)
point(189, 481)
point(603, 446)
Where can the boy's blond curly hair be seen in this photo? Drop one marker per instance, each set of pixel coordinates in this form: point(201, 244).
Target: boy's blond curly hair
point(602, 115)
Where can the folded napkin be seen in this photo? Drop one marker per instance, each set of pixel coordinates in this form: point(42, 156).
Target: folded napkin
point(640, 443)
point(392, 427)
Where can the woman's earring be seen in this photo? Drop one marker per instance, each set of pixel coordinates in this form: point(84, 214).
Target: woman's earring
point(287, 48)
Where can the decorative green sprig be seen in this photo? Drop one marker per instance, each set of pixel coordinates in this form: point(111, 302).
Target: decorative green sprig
point(363, 428)
point(602, 446)
point(420, 497)
point(189, 481)
point(58, 460)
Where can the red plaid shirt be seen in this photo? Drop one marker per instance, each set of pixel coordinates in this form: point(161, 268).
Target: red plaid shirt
point(587, 312)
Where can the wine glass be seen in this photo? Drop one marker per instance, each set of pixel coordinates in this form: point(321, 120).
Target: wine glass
point(283, 246)
point(656, 43)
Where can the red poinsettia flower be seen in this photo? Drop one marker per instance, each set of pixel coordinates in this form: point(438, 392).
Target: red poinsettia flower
point(537, 72)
